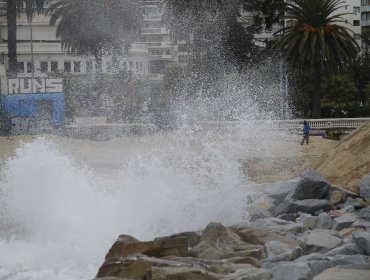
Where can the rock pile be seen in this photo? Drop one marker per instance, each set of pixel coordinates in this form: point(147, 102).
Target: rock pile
point(312, 231)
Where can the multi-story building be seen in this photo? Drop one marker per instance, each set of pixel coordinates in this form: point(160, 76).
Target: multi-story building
point(157, 37)
point(49, 57)
point(353, 13)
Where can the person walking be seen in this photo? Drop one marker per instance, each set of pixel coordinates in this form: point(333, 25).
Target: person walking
point(306, 132)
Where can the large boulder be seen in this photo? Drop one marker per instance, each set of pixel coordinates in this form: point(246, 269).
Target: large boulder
point(311, 186)
point(364, 187)
point(362, 240)
point(292, 271)
point(346, 249)
point(126, 246)
point(179, 273)
point(278, 226)
point(278, 191)
point(324, 221)
point(319, 241)
point(216, 241)
point(278, 251)
point(364, 213)
point(261, 237)
point(310, 206)
point(344, 221)
point(343, 274)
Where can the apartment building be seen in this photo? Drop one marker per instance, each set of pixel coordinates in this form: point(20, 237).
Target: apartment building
point(49, 57)
point(354, 18)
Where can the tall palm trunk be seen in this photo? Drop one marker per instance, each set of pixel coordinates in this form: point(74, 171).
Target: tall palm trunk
point(316, 97)
point(12, 35)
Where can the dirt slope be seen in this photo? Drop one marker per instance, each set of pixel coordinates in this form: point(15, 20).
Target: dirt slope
point(348, 161)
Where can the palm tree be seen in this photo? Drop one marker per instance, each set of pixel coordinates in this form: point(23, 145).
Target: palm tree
point(316, 41)
point(92, 27)
point(14, 7)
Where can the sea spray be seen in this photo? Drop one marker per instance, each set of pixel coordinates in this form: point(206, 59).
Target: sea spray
point(59, 217)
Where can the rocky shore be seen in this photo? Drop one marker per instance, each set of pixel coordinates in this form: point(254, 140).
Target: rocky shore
point(311, 230)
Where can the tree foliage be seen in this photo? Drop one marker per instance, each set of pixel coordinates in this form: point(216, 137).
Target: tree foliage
point(14, 7)
point(316, 40)
point(92, 27)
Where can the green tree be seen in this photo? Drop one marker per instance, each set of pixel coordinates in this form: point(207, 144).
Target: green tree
point(14, 7)
point(359, 72)
point(94, 27)
point(365, 37)
point(316, 41)
point(338, 92)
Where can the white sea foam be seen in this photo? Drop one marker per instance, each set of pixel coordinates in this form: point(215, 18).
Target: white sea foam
point(62, 207)
point(59, 219)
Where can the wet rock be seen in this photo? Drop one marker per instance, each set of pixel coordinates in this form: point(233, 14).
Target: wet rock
point(312, 257)
point(278, 251)
point(346, 249)
point(356, 203)
point(222, 238)
point(250, 274)
point(278, 191)
point(319, 241)
point(258, 236)
point(204, 250)
point(311, 186)
point(126, 268)
point(335, 213)
point(310, 206)
point(191, 237)
point(278, 226)
point(343, 274)
point(245, 260)
point(307, 220)
point(216, 241)
point(345, 192)
point(346, 233)
point(344, 221)
point(361, 223)
point(324, 221)
point(255, 251)
point(336, 197)
point(364, 213)
point(288, 217)
point(362, 240)
point(364, 187)
point(179, 273)
point(341, 260)
point(292, 271)
point(126, 246)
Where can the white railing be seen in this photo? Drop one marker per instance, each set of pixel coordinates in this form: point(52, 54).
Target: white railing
point(296, 124)
point(104, 131)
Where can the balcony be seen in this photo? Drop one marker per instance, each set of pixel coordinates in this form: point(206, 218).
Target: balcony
point(38, 48)
point(365, 9)
point(365, 22)
point(150, 31)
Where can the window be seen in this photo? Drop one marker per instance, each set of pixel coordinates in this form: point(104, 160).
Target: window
point(89, 66)
point(77, 67)
point(356, 10)
point(54, 66)
point(67, 66)
point(44, 66)
point(20, 67)
point(29, 67)
point(356, 23)
point(182, 47)
point(357, 36)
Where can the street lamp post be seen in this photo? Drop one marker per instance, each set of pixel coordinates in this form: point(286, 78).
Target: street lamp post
point(32, 60)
